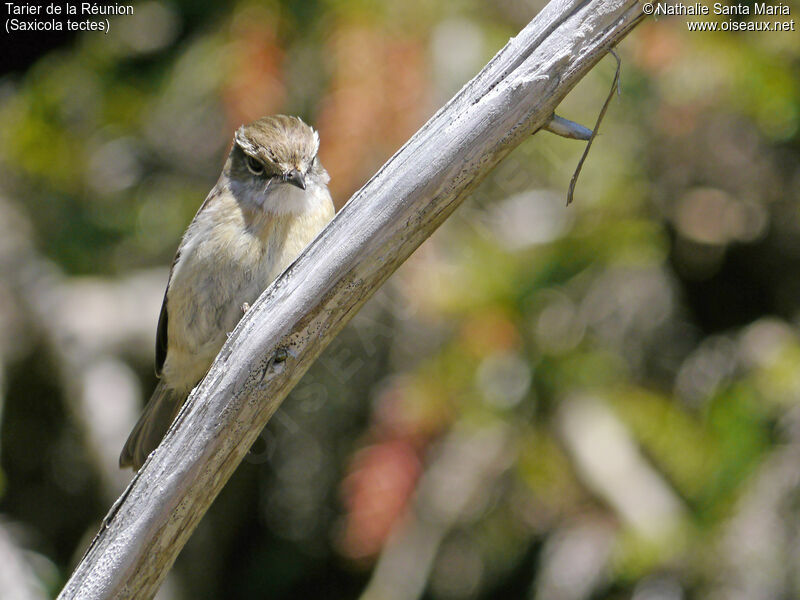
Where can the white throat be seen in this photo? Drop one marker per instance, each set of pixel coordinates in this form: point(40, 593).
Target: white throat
point(287, 199)
point(281, 198)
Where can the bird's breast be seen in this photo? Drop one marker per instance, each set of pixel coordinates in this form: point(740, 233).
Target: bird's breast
point(227, 258)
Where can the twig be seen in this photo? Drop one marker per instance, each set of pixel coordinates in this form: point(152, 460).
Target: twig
point(614, 86)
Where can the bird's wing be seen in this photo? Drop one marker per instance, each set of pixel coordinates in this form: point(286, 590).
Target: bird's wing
point(161, 330)
point(162, 343)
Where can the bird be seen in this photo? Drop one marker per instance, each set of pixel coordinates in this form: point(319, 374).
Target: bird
point(269, 202)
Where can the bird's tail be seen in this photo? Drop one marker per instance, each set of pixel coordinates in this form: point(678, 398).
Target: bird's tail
point(153, 424)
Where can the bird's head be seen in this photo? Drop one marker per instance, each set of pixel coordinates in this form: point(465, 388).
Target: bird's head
point(274, 164)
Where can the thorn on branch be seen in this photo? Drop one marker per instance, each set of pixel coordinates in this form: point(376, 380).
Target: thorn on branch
point(568, 129)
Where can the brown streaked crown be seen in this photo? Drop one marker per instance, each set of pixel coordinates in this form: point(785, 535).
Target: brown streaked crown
point(286, 142)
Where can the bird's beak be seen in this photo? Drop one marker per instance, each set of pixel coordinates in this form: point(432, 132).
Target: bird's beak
point(295, 177)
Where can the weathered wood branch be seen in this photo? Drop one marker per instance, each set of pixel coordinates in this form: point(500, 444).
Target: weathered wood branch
point(409, 197)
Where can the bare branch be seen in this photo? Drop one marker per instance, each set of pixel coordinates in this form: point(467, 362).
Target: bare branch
point(299, 314)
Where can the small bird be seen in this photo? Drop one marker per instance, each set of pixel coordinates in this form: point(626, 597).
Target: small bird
point(270, 201)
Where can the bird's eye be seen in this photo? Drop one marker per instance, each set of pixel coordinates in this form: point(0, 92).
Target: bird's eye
point(254, 165)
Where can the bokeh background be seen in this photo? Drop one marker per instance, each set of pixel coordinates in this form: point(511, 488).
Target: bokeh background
point(599, 401)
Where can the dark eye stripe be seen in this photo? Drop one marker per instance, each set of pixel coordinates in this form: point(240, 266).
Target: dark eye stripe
point(254, 165)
